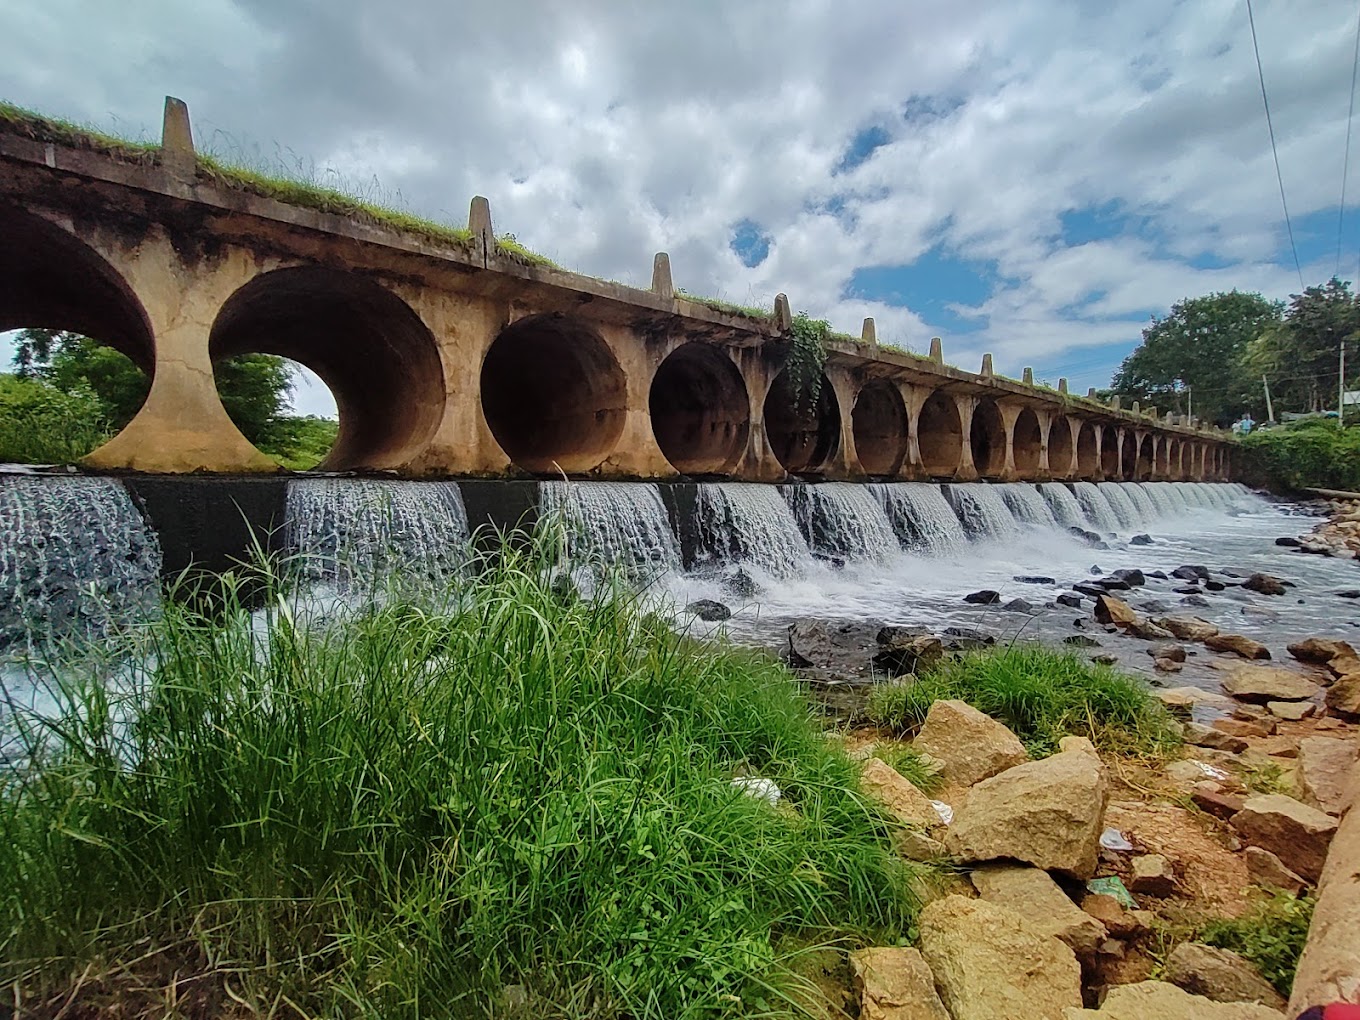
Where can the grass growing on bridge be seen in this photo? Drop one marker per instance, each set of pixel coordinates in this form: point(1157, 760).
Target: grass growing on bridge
point(419, 804)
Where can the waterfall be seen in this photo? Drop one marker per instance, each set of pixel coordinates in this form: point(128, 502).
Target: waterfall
point(1161, 496)
point(1142, 502)
point(982, 511)
point(76, 558)
point(752, 524)
point(1026, 504)
point(1095, 506)
point(1124, 510)
point(1063, 505)
point(361, 530)
point(843, 520)
point(1190, 495)
point(614, 522)
point(921, 517)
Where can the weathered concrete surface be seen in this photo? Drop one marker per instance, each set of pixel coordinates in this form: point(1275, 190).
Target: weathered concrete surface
point(459, 358)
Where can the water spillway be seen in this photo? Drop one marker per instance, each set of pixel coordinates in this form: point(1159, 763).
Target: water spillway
point(1027, 505)
point(1063, 504)
point(921, 517)
point(619, 522)
point(842, 520)
point(749, 524)
point(982, 511)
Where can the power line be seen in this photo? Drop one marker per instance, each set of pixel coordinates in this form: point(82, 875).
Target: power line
point(1346, 163)
point(1270, 126)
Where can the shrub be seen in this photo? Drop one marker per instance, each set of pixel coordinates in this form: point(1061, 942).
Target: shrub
point(40, 424)
point(1271, 936)
point(401, 808)
point(1041, 694)
point(1313, 453)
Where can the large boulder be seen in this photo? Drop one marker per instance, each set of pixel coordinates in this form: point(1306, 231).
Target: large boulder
point(1266, 584)
point(1238, 644)
point(895, 792)
point(1159, 1000)
point(1220, 975)
point(895, 984)
point(1048, 813)
point(970, 745)
point(1324, 767)
point(990, 963)
point(1112, 610)
point(1032, 893)
point(1269, 871)
point(902, 650)
point(1269, 683)
point(1343, 697)
point(1319, 650)
point(1183, 699)
point(1297, 834)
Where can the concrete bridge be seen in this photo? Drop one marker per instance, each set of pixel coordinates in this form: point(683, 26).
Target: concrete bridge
point(450, 354)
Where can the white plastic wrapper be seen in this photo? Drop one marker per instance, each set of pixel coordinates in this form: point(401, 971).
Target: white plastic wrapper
point(1113, 839)
point(942, 809)
point(759, 787)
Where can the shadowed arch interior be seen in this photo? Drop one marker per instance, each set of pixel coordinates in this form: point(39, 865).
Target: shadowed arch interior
point(1109, 452)
point(701, 415)
point(1128, 460)
point(1059, 447)
point(988, 439)
point(1146, 459)
point(1088, 460)
point(939, 435)
point(1162, 460)
point(553, 394)
point(803, 433)
point(379, 360)
point(1027, 443)
point(879, 421)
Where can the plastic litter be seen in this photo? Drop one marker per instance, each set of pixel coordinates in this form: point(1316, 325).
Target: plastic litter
point(1112, 886)
point(1113, 839)
point(1213, 772)
point(942, 809)
point(759, 787)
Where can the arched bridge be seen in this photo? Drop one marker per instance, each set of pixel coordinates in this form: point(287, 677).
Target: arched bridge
point(450, 354)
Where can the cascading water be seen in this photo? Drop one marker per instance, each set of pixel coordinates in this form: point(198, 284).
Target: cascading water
point(921, 517)
point(1124, 510)
point(1095, 506)
point(1142, 502)
point(357, 531)
point(744, 523)
point(76, 559)
point(981, 509)
point(1064, 506)
point(1162, 497)
point(842, 520)
point(619, 522)
point(1027, 505)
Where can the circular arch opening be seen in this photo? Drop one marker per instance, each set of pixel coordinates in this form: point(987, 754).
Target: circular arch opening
point(803, 433)
point(1027, 443)
point(370, 349)
point(1088, 461)
point(879, 421)
point(701, 415)
point(1060, 447)
point(988, 439)
point(85, 334)
point(1146, 459)
point(553, 394)
point(1109, 452)
point(939, 435)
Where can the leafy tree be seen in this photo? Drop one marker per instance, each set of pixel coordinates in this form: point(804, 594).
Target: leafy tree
point(40, 424)
point(1200, 346)
point(1299, 354)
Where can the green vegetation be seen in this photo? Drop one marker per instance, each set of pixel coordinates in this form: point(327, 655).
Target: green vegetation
point(1271, 936)
point(730, 308)
point(807, 358)
point(425, 805)
point(40, 424)
point(1041, 694)
point(911, 764)
point(1314, 452)
point(17, 120)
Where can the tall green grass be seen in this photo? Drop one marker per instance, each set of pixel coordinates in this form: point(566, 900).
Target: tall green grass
point(1041, 694)
point(405, 808)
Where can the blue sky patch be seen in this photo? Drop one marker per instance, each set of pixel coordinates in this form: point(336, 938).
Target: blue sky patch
point(928, 287)
point(751, 244)
point(862, 146)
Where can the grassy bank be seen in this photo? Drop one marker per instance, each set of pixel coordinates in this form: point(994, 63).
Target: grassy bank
point(1314, 453)
point(1042, 695)
point(435, 806)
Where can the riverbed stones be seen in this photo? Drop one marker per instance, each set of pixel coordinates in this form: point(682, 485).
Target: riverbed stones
point(986, 597)
point(1292, 711)
point(1032, 893)
point(1130, 576)
point(1183, 699)
point(895, 984)
point(1343, 697)
point(1161, 1000)
point(989, 962)
point(1215, 739)
point(897, 793)
point(1033, 579)
point(1218, 974)
point(1152, 876)
point(1071, 601)
point(903, 650)
point(1297, 834)
point(1265, 584)
point(970, 745)
point(1269, 871)
point(1324, 768)
point(1263, 684)
point(709, 610)
point(1319, 650)
point(1188, 628)
point(1237, 644)
point(1167, 650)
point(1112, 610)
point(1212, 799)
point(1048, 813)
point(1191, 573)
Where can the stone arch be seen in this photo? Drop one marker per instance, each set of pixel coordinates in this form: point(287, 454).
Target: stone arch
point(939, 435)
point(1128, 457)
point(1161, 463)
point(1060, 447)
point(1109, 452)
point(987, 437)
point(1027, 443)
point(1146, 458)
point(700, 410)
point(1088, 459)
point(803, 433)
point(879, 424)
point(553, 394)
point(1173, 459)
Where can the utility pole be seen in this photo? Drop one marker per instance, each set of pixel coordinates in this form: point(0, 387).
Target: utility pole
point(1341, 390)
point(1189, 403)
point(1270, 410)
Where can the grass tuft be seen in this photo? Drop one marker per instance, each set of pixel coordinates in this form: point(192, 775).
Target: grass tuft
point(921, 770)
point(1041, 694)
point(429, 803)
point(1271, 936)
point(718, 305)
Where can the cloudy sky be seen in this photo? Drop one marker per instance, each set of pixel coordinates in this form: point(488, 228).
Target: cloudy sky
point(1033, 178)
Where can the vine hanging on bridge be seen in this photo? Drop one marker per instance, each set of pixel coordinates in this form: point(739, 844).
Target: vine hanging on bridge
point(807, 358)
